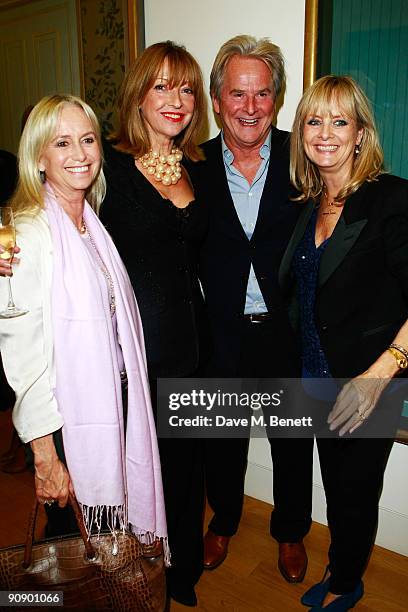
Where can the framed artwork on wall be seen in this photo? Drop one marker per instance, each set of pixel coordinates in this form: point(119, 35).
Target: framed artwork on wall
point(366, 39)
point(135, 28)
point(112, 34)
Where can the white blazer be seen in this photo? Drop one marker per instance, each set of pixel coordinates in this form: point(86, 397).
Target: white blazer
point(26, 342)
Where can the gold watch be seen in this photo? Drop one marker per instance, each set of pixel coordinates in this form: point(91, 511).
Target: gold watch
point(402, 361)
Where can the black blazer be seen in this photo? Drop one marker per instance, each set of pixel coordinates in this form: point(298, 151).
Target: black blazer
point(159, 246)
point(8, 180)
point(227, 253)
point(362, 294)
point(8, 175)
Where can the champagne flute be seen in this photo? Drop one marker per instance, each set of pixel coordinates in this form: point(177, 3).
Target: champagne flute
point(8, 242)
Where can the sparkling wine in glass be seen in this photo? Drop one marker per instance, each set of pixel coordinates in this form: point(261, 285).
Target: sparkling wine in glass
point(8, 242)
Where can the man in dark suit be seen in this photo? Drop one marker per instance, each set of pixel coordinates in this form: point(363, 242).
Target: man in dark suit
point(8, 175)
point(245, 183)
point(8, 180)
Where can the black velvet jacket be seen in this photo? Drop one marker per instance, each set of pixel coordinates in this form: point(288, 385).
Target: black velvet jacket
point(362, 294)
point(159, 246)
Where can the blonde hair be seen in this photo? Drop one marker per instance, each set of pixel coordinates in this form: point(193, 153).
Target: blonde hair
point(132, 135)
point(39, 130)
point(352, 101)
point(248, 46)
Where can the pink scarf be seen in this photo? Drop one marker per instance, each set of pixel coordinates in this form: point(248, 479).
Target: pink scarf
point(109, 475)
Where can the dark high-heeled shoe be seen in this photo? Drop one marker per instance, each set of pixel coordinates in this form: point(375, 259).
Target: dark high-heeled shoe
point(185, 595)
point(315, 595)
point(345, 602)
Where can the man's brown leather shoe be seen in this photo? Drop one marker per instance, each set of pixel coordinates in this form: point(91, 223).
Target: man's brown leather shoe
point(215, 549)
point(292, 561)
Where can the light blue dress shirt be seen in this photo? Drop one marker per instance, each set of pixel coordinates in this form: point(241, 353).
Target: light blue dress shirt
point(246, 200)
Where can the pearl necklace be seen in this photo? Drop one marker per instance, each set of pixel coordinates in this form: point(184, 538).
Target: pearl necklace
point(165, 169)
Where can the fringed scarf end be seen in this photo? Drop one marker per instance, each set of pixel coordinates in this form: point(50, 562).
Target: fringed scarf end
point(114, 518)
point(101, 517)
point(148, 538)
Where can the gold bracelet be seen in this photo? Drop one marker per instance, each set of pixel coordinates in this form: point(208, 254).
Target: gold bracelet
point(402, 361)
point(400, 348)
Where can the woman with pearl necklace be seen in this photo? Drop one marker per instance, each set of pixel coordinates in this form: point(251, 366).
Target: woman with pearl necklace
point(157, 224)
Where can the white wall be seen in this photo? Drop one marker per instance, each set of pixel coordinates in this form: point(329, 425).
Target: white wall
point(202, 26)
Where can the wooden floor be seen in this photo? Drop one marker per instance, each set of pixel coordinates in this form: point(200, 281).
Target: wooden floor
point(248, 580)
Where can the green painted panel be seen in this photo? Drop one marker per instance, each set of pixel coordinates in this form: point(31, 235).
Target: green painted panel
point(370, 43)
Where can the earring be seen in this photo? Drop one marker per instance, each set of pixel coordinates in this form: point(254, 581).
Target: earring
point(42, 175)
point(357, 149)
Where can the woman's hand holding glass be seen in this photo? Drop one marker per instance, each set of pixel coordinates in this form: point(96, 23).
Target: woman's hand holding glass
point(6, 268)
point(8, 249)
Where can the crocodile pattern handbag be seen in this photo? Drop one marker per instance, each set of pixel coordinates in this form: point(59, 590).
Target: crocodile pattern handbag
point(104, 572)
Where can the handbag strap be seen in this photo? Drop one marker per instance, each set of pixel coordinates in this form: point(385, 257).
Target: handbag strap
point(90, 551)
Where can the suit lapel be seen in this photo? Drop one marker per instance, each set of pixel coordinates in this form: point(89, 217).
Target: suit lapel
point(276, 183)
point(348, 229)
point(345, 234)
point(341, 241)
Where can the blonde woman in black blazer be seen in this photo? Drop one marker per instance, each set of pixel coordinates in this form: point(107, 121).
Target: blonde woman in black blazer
point(345, 273)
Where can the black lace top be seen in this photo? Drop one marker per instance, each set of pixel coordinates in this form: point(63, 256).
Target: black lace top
point(306, 264)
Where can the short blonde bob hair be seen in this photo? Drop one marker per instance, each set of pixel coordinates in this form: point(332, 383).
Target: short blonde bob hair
point(132, 135)
point(40, 128)
point(352, 101)
point(248, 46)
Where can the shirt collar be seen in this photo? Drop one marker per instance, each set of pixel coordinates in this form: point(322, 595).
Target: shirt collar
point(264, 151)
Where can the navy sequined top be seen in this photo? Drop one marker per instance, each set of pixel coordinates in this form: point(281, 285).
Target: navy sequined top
point(306, 264)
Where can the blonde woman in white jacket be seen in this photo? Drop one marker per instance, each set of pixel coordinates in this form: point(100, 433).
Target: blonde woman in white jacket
point(67, 358)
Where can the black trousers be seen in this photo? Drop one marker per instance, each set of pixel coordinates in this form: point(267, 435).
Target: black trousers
point(182, 470)
point(183, 485)
point(268, 350)
point(352, 471)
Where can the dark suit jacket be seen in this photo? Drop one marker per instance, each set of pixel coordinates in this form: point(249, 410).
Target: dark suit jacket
point(8, 175)
point(362, 294)
point(8, 180)
point(159, 246)
point(227, 253)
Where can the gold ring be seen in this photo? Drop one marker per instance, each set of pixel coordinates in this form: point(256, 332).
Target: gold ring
point(362, 414)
